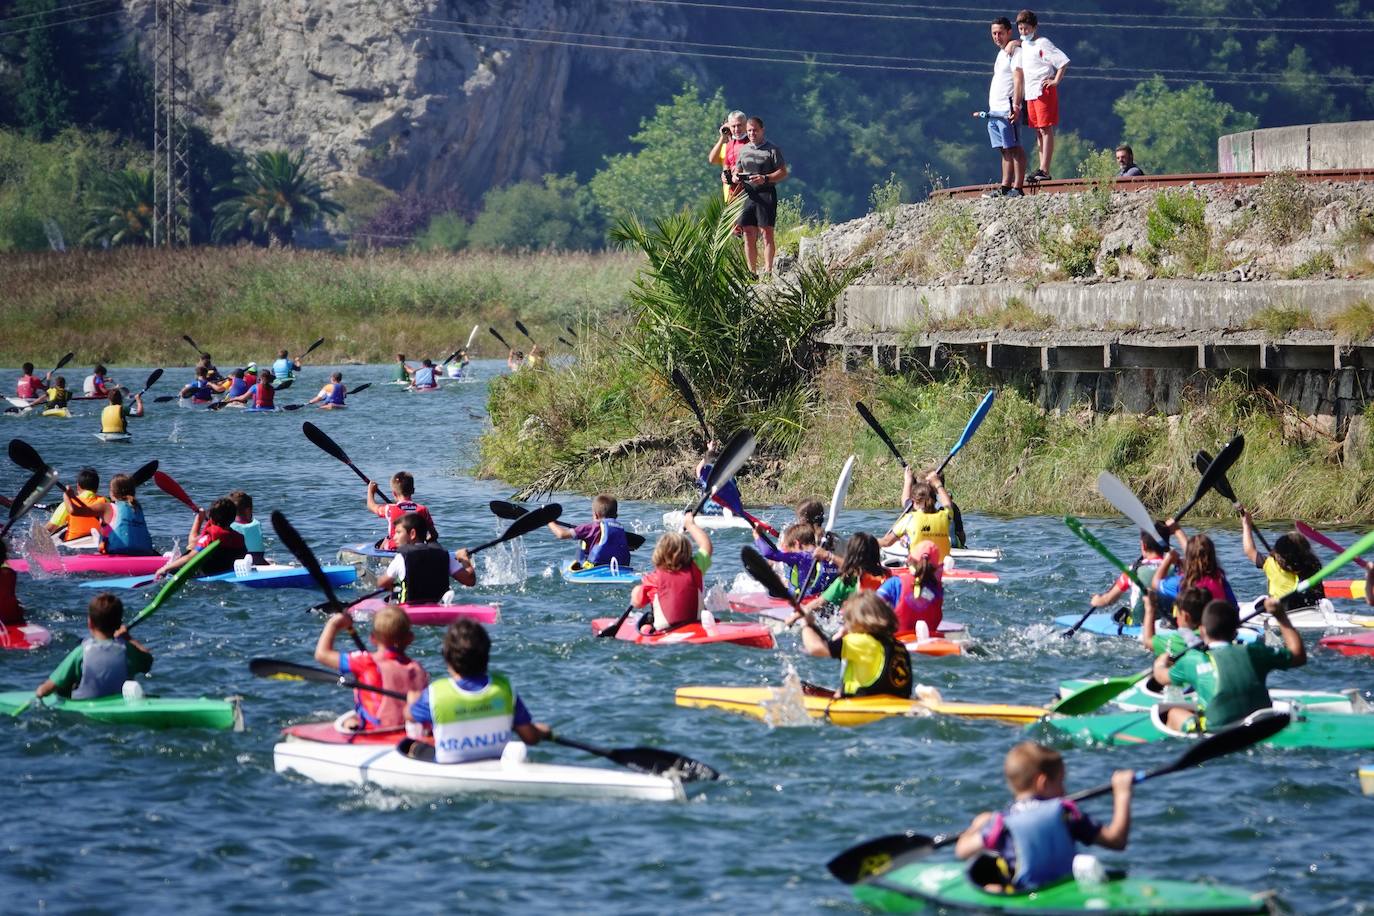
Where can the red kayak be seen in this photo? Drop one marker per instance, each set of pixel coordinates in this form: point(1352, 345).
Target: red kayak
point(753, 635)
point(1350, 643)
point(326, 733)
point(761, 604)
point(24, 636)
point(433, 615)
point(105, 564)
point(1344, 588)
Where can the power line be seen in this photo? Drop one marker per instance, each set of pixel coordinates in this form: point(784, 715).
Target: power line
point(1060, 16)
point(53, 25)
point(56, 9)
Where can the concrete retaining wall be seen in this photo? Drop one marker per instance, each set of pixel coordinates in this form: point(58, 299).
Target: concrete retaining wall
point(1305, 146)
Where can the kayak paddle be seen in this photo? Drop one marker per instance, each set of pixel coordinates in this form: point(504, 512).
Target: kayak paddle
point(645, 759)
point(173, 583)
point(521, 328)
point(569, 329)
point(974, 422)
point(33, 490)
point(609, 631)
point(764, 574)
point(530, 521)
point(1129, 505)
point(329, 446)
point(144, 474)
point(187, 338)
point(306, 557)
point(1091, 540)
point(310, 349)
point(1095, 696)
point(732, 458)
point(62, 362)
point(565, 342)
point(167, 485)
point(1216, 471)
point(325, 608)
point(684, 388)
point(877, 428)
point(878, 856)
point(471, 335)
point(26, 456)
point(1202, 460)
point(1312, 534)
point(510, 511)
point(838, 496)
point(497, 334)
point(151, 381)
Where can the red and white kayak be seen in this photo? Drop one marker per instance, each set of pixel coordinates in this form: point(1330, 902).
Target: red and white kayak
point(105, 564)
point(1344, 588)
point(936, 645)
point(1350, 643)
point(753, 635)
point(24, 636)
point(327, 733)
point(433, 615)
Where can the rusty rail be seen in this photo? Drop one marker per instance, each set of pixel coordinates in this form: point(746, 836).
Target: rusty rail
point(1154, 182)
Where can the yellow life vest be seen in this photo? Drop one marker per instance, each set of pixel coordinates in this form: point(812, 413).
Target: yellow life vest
point(112, 419)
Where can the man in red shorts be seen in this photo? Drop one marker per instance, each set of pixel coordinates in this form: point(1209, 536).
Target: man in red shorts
point(1043, 66)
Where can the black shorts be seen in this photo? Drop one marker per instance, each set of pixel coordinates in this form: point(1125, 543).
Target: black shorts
point(761, 209)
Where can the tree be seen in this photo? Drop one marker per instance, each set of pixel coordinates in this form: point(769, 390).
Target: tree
point(555, 214)
point(122, 209)
point(1176, 130)
point(46, 100)
point(271, 194)
point(670, 171)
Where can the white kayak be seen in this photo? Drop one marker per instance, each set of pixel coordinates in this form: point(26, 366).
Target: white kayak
point(352, 764)
point(898, 553)
point(114, 437)
point(1323, 616)
point(673, 521)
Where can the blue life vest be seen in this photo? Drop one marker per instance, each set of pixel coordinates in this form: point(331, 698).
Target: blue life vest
point(612, 545)
point(728, 495)
point(1040, 835)
point(424, 377)
point(201, 390)
point(252, 535)
point(337, 390)
point(283, 369)
point(237, 387)
point(128, 531)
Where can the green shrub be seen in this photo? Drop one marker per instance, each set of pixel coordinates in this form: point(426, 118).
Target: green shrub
point(1284, 207)
point(556, 214)
point(1075, 255)
point(1278, 320)
point(886, 197)
point(1315, 266)
point(445, 232)
point(1355, 322)
point(1176, 227)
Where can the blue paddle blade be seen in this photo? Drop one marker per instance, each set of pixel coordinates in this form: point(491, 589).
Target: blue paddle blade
point(975, 421)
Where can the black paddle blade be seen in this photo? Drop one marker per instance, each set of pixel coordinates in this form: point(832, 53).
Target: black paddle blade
point(634, 541)
point(165, 398)
point(152, 379)
point(565, 342)
point(764, 573)
point(497, 334)
point(876, 856)
point(614, 628)
point(311, 349)
point(273, 668)
point(736, 452)
point(508, 511)
point(1215, 472)
point(302, 552)
point(144, 474)
point(647, 760)
point(63, 361)
point(1256, 728)
point(1203, 460)
point(684, 388)
point(24, 455)
point(569, 329)
point(523, 330)
point(187, 338)
point(33, 490)
point(323, 442)
point(363, 387)
point(530, 521)
point(878, 430)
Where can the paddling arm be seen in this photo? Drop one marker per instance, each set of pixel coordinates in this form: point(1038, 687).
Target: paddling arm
point(534, 732)
point(1247, 540)
point(373, 506)
point(137, 410)
point(325, 653)
point(1162, 570)
point(1118, 833)
point(908, 481)
point(696, 533)
point(813, 640)
point(1108, 597)
point(1292, 639)
point(970, 842)
point(562, 532)
point(467, 572)
point(1147, 622)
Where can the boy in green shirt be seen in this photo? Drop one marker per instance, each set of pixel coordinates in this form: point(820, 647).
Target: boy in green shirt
point(101, 664)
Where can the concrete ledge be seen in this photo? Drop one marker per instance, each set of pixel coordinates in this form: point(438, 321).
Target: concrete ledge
point(1300, 147)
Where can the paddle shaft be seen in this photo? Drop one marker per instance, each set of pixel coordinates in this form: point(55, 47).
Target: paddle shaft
point(1202, 460)
point(732, 458)
point(322, 441)
point(1312, 534)
point(877, 428)
point(1215, 471)
point(970, 428)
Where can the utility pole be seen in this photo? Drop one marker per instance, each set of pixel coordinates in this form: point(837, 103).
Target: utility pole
point(171, 155)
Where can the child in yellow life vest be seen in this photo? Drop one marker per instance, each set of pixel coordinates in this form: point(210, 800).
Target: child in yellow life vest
point(1290, 563)
point(925, 522)
point(875, 663)
point(114, 417)
point(57, 395)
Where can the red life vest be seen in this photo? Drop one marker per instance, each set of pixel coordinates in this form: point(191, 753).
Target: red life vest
point(263, 395)
point(393, 512)
point(919, 604)
point(389, 670)
point(676, 595)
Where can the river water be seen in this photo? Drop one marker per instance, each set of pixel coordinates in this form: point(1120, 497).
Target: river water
point(102, 819)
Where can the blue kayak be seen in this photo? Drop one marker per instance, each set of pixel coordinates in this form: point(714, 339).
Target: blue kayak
point(601, 575)
point(260, 577)
point(366, 549)
point(1103, 625)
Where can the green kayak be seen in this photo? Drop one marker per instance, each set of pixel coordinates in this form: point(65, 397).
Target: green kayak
point(1142, 697)
point(943, 886)
point(1308, 729)
point(155, 712)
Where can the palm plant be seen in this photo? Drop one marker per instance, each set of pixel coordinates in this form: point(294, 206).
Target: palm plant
point(270, 196)
point(122, 210)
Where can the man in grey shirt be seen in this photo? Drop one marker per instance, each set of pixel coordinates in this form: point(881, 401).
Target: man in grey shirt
point(760, 167)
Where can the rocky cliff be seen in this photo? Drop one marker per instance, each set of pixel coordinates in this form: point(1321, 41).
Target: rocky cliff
point(400, 91)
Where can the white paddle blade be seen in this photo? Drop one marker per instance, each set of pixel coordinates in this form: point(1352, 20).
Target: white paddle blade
point(1126, 502)
point(841, 491)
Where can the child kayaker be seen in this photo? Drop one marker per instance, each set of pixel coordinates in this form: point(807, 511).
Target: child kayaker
point(284, 367)
point(11, 610)
point(537, 359)
point(1187, 617)
point(515, 360)
point(1290, 563)
point(199, 388)
point(473, 711)
point(401, 372)
point(261, 394)
point(209, 526)
point(728, 496)
point(425, 376)
point(1229, 677)
point(916, 593)
point(675, 587)
point(1199, 567)
point(29, 385)
point(87, 483)
point(872, 660)
point(331, 395)
point(600, 541)
point(421, 569)
point(238, 385)
point(403, 496)
point(114, 417)
point(388, 667)
point(104, 660)
point(861, 570)
point(925, 521)
point(797, 553)
point(1151, 555)
point(1033, 842)
point(57, 397)
point(120, 526)
point(249, 527)
point(96, 385)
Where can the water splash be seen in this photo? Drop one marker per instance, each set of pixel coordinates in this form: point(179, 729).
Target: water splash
point(787, 707)
point(505, 564)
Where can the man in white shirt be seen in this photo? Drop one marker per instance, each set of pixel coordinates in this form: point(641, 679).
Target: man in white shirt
point(1004, 110)
point(1043, 66)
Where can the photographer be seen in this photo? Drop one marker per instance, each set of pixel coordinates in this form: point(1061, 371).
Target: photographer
point(726, 151)
point(759, 168)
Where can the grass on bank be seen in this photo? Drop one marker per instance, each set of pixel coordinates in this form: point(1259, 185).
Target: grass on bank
point(133, 305)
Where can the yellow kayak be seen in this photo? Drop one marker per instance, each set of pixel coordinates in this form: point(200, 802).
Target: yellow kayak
point(778, 706)
point(57, 412)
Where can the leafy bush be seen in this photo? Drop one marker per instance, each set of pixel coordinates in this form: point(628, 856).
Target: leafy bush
point(1355, 322)
point(557, 214)
point(1284, 207)
point(1075, 251)
point(1278, 320)
point(1176, 228)
point(886, 197)
point(445, 232)
point(1315, 266)
point(1176, 130)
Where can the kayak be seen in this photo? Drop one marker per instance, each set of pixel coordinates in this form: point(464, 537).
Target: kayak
point(327, 733)
point(260, 577)
point(898, 552)
point(1308, 729)
point(1103, 625)
point(1350, 644)
point(1147, 694)
point(1344, 588)
point(414, 390)
point(780, 706)
point(723, 522)
point(936, 644)
point(601, 575)
point(753, 635)
point(60, 412)
point(433, 615)
point(89, 542)
point(1316, 618)
point(24, 636)
point(107, 564)
point(114, 437)
point(365, 556)
point(155, 712)
point(943, 642)
point(363, 764)
point(944, 886)
point(193, 404)
point(262, 410)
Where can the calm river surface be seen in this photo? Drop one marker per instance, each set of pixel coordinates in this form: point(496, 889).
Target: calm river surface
point(101, 819)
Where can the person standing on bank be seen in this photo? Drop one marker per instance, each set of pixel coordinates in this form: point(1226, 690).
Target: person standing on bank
point(1043, 65)
point(1004, 109)
point(759, 168)
point(1125, 158)
point(725, 153)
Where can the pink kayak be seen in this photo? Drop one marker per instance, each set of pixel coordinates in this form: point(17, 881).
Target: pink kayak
point(764, 606)
point(24, 636)
point(1350, 643)
point(326, 733)
point(433, 615)
point(753, 635)
point(105, 564)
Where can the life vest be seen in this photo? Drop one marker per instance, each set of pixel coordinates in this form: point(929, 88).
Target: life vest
point(471, 724)
point(283, 369)
point(237, 387)
point(728, 496)
point(923, 604)
point(611, 545)
point(427, 576)
point(252, 535)
point(28, 387)
point(58, 397)
point(388, 670)
point(677, 596)
point(875, 666)
point(78, 526)
point(424, 377)
point(201, 390)
point(393, 512)
point(104, 669)
point(94, 386)
point(337, 391)
point(933, 527)
point(231, 548)
point(113, 420)
point(1040, 836)
point(128, 531)
point(263, 395)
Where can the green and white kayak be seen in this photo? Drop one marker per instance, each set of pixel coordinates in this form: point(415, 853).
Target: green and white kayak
point(1307, 729)
point(923, 887)
point(1146, 694)
point(154, 712)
